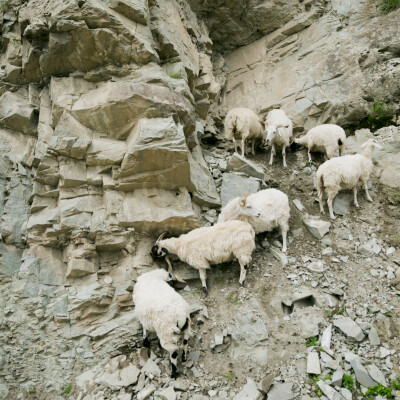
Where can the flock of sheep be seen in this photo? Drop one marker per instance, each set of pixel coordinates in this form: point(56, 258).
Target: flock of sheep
point(158, 306)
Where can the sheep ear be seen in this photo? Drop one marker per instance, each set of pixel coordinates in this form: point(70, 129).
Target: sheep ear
point(242, 202)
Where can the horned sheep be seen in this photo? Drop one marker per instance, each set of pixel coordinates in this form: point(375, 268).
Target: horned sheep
point(211, 245)
point(326, 138)
point(271, 204)
point(161, 309)
point(345, 173)
point(279, 129)
point(243, 124)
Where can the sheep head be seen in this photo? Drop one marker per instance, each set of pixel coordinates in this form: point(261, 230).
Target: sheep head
point(158, 250)
point(272, 131)
point(245, 208)
point(371, 143)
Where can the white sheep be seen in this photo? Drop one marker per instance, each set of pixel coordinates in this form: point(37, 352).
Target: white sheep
point(161, 309)
point(279, 129)
point(243, 124)
point(271, 204)
point(211, 245)
point(345, 173)
point(326, 138)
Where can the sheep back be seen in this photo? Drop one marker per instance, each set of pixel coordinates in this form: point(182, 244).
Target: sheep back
point(274, 210)
point(159, 307)
point(243, 123)
point(216, 244)
point(345, 172)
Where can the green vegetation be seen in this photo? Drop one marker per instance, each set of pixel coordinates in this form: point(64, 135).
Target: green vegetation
point(313, 341)
point(396, 384)
point(393, 195)
point(68, 388)
point(341, 311)
point(4, 6)
point(348, 382)
point(389, 5)
point(234, 300)
point(374, 391)
point(229, 376)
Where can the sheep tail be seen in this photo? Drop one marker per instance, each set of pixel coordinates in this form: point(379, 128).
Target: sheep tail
point(320, 185)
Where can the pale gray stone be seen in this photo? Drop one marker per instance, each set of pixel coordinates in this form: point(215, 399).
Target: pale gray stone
point(317, 227)
point(374, 337)
point(298, 204)
point(146, 392)
point(249, 392)
point(326, 337)
point(361, 373)
point(337, 378)
point(281, 257)
point(376, 374)
point(329, 391)
point(236, 186)
point(281, 391)
point(168, 393)
point(349, 327)
point(342, 203)
point(313, 365)
point(151, 368)
point(237, 163)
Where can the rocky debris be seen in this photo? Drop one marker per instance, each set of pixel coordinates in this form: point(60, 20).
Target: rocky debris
point(376, 374)
point(281, 391)
point(298, 204)
point(317, 227)
point(281, 257)
point(313, 366)
point(361, 373)
point(234, 185)
point(249, 392)
point(328, 391)
point(342, 203)
point(237, 163)
point(265, 384)
point(374, 337)
point(349, 328)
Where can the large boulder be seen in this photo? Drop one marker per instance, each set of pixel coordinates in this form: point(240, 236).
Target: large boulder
point(115, 107)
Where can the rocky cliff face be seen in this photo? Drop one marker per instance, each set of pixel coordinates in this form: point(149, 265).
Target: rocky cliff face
point(103, 104)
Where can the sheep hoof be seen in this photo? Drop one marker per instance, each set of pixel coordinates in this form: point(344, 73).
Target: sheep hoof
point(333, 217)
point(241, 284)
point(205, 292)
point(146, 342)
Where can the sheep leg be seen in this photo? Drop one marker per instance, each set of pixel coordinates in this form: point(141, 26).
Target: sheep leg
point(145, 342)
point(355, 197)
point(243, 147)
point(284, 156)
point(234, 142)
point(185, 331)
point(309, 156)
point(244, 262)
point(284, 229)
point(367, 192)
point(252, 146)
point(173, 357)
point(271, 160)
point(203, 278)
point(331, 196)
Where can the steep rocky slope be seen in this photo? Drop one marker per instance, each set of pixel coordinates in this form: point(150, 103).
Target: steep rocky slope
point(111, 118)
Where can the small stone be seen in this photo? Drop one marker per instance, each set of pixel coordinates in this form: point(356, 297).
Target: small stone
point(328, 391)
point(313, 365)
point(298, 204)
point(281, 391)
point(327, 252)
point(390, 251)
point(279, 255)
point(194, 355)
point(151, 369)
point(107, 280)
point(167, 394)
point(326, 337)
point(265, 384)
point(181, 384)
point(316, 266)
point(376, 374)
point(346, 394)
point(317, 227)
point(249, 392)
point(384, 352)
point(349, 328)
point(361, 373)
point(218, 339)
point(337, 378)
point(146, 392)
point(373, 337)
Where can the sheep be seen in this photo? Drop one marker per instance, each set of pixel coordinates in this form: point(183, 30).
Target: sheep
point(345, 173)
point(243, 124)
point(279, 129)
point(161, 309)
point(211, 245)
point(326, 138)
point(273, 206)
